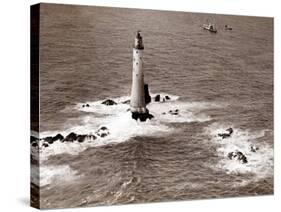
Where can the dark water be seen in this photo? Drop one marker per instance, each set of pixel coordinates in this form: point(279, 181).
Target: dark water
point(217, 81)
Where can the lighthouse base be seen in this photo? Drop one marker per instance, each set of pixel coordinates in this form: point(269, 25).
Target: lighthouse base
point(142, 116)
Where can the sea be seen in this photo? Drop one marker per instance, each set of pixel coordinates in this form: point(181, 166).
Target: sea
point(214, 80)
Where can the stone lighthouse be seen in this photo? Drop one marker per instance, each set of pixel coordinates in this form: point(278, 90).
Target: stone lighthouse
point(139, 92)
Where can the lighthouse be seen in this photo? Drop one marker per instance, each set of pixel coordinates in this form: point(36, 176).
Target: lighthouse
point(139, 90)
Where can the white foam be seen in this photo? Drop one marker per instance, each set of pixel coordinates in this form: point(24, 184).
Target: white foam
point(57, 174)
point(121, 126)
point(187, 111)
point(260, 163)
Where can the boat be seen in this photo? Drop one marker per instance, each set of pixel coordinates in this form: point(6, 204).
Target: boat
point(226, 27)
point(210, 27)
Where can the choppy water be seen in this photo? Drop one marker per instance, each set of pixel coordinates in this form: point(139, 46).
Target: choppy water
point(215, 80)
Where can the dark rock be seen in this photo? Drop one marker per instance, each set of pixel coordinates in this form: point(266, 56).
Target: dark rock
point(45, 145)
point(237, 155)
point(227, 134)
point(167, 98)
point(32, 138)
point(109, 102)
point(87, 105)
point(83, 105)
point(34, 144)
point(58, 137)
point(102, 131)
point(142, 116)
point(70, 137)
point(230, 130)
point(81, 138)
point(126, 102)
point(103, 135)
point(157, 98)
point(224, 135)
point(103, 128)
point(254, 148)
point(146, 94)
point(49, 139)
point(230, 155)
point(174, 112)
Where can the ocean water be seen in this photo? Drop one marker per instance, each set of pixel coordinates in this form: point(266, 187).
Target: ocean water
point(216, 81)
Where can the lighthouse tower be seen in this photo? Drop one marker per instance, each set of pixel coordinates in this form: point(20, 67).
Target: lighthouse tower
point(138, 100)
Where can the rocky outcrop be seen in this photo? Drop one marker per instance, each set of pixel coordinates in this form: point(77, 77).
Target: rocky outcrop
point(58, 137)
point(167, 98)
point(102, 132)
point(81, 138)
point(227, 134)
point(51, 139)
point(45, 145)
point(48, 139)
point(254, 148)
point(70, 137)
point(142, 116)
point(126, 102)
point(237, 155)
point(174, 112)
point(157, 98)
point(109, 102)
point(34, 144)
point(32, 139)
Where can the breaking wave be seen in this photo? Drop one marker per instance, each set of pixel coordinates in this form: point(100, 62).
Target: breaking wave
point(45, 175)
point(260, 162)
point(57, 174)
point(117, 118)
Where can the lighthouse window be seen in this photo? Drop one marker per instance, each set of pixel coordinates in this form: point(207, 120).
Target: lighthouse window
point(137, 63)
point(137, 51)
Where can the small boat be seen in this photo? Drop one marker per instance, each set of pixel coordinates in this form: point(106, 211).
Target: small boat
point(210, 27)
point(226, 27)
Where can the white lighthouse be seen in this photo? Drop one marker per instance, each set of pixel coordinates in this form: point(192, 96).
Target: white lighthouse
point(138, 98)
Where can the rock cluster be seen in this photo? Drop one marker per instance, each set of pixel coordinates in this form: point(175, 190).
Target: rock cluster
point(102, 132)
point(237, 155)
point(142, 116)
point(126, 101)
point(109, 102)
point(158, 98)
point(254, 148)
point(227, 134)
point(71, 137)
point(172, 112)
